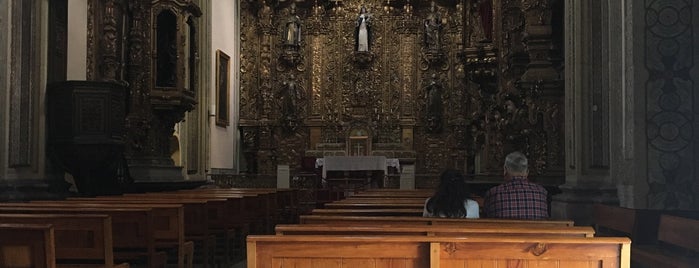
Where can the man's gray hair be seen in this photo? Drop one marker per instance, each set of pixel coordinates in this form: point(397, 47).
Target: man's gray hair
point(516, 163)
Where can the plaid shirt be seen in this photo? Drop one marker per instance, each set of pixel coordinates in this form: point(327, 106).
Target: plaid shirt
point(517, 199)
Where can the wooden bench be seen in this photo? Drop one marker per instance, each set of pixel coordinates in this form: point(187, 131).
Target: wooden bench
point(84, 239)
point(225, 220)
point(168, 224)
point(197, 226)
point(369, 212)
point(365, 220)
point(133, 232)
point(638, 225)
point(641, 225)
point(391, 194)
point(27, 245)
point(433, 230)
point(374, 205)
point(678, 245)
point(435, 252)
point(395, 200)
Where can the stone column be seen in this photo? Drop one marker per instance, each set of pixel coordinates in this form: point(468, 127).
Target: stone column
point(588, 79)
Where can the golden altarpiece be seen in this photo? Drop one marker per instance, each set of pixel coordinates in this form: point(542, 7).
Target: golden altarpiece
point(438, 84)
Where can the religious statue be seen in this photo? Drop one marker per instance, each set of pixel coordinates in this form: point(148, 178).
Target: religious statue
point(292, 35)
point(434, 104)
point(363, 31)
point(433, 28)
point(290, 95)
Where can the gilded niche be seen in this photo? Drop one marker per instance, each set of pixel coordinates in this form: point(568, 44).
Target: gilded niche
point(423, 79)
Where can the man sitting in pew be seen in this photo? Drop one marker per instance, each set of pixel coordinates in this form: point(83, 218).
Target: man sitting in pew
point(517, 198)
point(451, 199)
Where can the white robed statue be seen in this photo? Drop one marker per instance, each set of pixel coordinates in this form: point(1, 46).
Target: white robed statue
point(363, 32)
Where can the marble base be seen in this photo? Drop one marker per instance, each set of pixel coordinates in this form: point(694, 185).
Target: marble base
point(575, 202)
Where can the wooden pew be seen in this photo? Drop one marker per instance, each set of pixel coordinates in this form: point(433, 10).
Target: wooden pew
point(641, 225)
point(225, 220)
point(374, 205)
point(202, 217)
point(678, 245)
point(27, 245)
point(369, 212)
point(365, 220)
point(168, 224)
point(133, 231)
point(84, 239)
point(391, 194)
point(618, 221)
point(399, 200)
point(435, 252)
point(434, 230)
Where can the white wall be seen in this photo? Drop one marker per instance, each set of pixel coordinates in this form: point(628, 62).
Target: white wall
point(77, 40)
point(224, 37)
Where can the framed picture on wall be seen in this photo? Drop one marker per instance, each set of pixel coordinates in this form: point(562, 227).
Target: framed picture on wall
point(223, 84)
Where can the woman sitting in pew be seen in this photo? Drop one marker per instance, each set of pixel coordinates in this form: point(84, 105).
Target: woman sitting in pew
point(451, 200)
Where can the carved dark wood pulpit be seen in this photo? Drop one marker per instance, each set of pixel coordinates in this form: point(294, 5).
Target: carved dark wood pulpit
point(163, 80)
point(86, 134)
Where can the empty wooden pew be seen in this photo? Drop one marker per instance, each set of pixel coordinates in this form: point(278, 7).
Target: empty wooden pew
point(678, 245)
point(369, 212)
point(365, 220)
point(27, 245)
point(394, 200)
point(198, 225)
point(392, 194)
point(84, 239)
point(224, 221)
point(133, 232)
point(435, 252)
point(168, 224)
point(374, 205)
point(433, 230)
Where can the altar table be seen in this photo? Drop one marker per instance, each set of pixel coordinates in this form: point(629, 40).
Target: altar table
point(349, 163)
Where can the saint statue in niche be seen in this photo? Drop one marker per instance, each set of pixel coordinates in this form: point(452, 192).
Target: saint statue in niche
point(433, 28)
point(291, 94)
point(363, 31)
point(434, 104)
point(292, 35)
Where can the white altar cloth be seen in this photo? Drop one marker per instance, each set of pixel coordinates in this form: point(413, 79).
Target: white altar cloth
point(357, 163)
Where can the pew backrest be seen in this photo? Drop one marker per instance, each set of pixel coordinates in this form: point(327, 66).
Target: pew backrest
point(27, 245)
point(78, 237)
point(433, 230)
point(433, 252)
point(678, 231)
point(388, 220)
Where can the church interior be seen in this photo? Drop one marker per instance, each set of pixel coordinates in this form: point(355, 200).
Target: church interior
point(265, 114)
